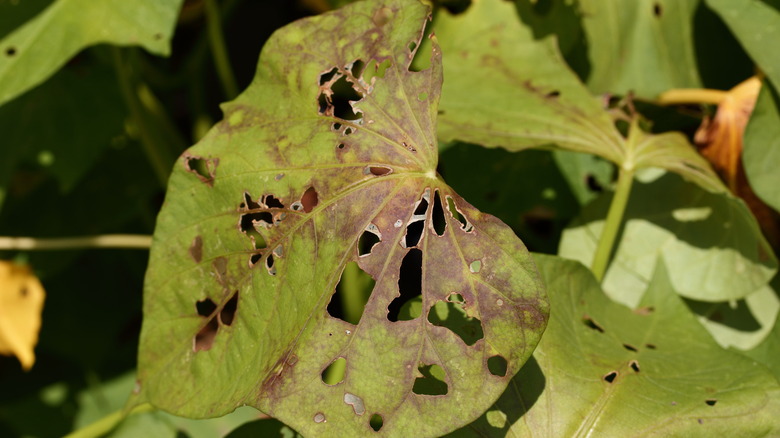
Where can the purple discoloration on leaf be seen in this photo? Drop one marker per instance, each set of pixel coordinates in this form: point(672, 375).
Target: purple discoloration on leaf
point(306, 169)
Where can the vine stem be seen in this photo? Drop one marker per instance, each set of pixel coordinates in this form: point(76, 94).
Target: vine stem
point(104, 425)
point(679, 96)
point(612, 225)
point(128, 241)
point(219, 49)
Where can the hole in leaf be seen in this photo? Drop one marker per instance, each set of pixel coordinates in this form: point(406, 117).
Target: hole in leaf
point(370, 237)
point(351, 295)
point(437, 215)
point(271, 201)
point(422, 97)
point(451, 315)
point(348, 130)
point(375, 69)
point(610, 377)
point(205, 307)
point(710, 402)
point(378, 170)
point(228, 312)
point(340, 146)
point(432, 382)
point(457, 215)
point(650, 346)
point(590, 323)
point(205, 337)
point(376, 422)
point(630, 347)
point(254, 258)
point(456, 298)
point(356, 68)
point(422, 205)
point(553, 94)
point(657, 10)
point(356, 403)
point(634, 366)
point(412, 46)
point(336, 126)
point(309, 200)
point(10, 51)
point(414, 232)
point(334, 373)
point(340, 103)
point(409, 283)
point(497, 365)
point(475, 266)
point(204, 169)
point(270, 264)
point(327, 77)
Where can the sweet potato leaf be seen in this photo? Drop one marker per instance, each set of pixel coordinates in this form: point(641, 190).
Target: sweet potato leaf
point(604, 370)
point(68, 26)
point(710, 243)
point(761, 155)
point(331, 146)
point(505, 88)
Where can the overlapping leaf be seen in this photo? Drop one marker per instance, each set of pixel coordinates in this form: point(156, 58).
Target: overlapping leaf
point(710, 243)
point(761, 154)
point(504, 88)
point(67, 26)
point(334, 141)
point(604, 370)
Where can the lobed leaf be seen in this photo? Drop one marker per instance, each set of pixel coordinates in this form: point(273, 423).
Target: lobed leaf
point(68, 26)
point(604, 370)
point(710, 243)
point(331, 146)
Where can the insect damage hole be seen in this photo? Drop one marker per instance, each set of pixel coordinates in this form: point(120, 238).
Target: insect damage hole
point(376, 422)
point(432, 382)
point(452, 316)
point(590, 323)
point(334, 373)
point(370, 238)
point(710, 402)
point(337, 97)
point(438, 221)
point(10, 51)
point(409, 286)
point(610, 377)
point(497, 365)
point(228, 312)
point(352, 292)
point(416, 226)
point(204, 169)
point(204, 339)
point(634, 365)
point(457, 215)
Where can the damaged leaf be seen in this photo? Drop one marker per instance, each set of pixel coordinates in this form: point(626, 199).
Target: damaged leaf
point(329, 158)
point(21, 304)
point(68, 26)
point(604, 370)
point(505, 88)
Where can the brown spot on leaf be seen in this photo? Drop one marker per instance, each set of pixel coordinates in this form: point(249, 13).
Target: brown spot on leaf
point(378, 170)
point(382, 16)
point(309, 200)
point(196, 249)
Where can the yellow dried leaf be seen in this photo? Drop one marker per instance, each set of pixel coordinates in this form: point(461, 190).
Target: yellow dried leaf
point(21, 304)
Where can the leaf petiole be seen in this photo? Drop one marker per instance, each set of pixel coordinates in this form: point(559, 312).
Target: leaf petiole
point(612, 225)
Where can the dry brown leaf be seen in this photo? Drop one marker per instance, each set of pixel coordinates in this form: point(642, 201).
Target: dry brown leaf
point(21, 304)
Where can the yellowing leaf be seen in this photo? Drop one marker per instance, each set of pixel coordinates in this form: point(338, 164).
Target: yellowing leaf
point(21, 303)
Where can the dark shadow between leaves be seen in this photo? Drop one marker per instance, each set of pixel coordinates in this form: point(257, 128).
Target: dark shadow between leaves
point(520, 395)
point(739, 318)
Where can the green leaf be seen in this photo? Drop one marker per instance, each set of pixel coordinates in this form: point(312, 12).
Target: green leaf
point(604, 370)
point(761, 155)
point(710, 243)
point(37, 49)
point(755, 23)
point(768, 350)
point(504, 88)
point(262, 216)
point(644, 46)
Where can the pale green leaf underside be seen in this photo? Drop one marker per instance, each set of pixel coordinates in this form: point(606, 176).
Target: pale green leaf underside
point(640, 46)
point(505, 88)
point(37, 49)
point(668, 378)
point(710, 243)
point(283, 166)
point(761, 156)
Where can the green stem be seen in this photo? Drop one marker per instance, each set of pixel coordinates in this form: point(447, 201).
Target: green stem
point(612, 225)
point(106, 424)
point(160, 161)
point(219, 49)
point(127, 241)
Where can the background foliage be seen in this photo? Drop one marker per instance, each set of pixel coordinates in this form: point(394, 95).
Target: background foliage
point(93, 117)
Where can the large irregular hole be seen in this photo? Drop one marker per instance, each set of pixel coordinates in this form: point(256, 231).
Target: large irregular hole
point(334, 373)
point(432, 382)
point(409, 283)
point(437, 215)
point(228, 312)
point(309, 200)
point(204, 169)
point(205, 307)
point(352, 292)
point(204, 339)
point(457, 215)
point(356, 68)
point(376, 422)
point(370, 237)
point(497, 365)
point(337, 94)
point(416, 226)
point(328, 76)
point(450, 314)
